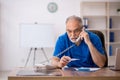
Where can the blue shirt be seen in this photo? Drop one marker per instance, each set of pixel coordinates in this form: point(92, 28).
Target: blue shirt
point(81, 52)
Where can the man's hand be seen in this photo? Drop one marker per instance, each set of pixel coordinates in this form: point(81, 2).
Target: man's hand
point(64, 61)
point(84, 35)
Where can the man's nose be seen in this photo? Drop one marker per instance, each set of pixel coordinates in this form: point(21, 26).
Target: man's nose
point(73, 34)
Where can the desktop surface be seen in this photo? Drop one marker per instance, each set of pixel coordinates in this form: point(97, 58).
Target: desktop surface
point(70, 74)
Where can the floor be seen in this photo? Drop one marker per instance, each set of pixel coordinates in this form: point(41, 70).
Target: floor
point(4, 75)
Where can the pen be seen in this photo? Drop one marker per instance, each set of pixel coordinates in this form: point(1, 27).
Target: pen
point(74, 59)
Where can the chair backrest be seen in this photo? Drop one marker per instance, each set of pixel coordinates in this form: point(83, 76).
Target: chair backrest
point(101, 35)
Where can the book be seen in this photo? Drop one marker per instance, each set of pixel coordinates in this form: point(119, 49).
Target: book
point(85, 22)
point(110, 22)
point(110, 50)
point(111, 36)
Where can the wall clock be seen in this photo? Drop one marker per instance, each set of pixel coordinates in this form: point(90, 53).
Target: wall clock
point(52, 7)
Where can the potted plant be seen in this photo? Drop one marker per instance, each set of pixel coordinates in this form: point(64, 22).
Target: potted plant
point(118, 11)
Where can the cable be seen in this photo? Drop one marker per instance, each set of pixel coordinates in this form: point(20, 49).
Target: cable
point(60, 53)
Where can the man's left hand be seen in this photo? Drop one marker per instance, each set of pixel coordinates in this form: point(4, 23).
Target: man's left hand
point(84, 35)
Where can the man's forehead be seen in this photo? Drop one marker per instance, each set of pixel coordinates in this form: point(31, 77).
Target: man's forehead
point(73, 22)
point(74, 28)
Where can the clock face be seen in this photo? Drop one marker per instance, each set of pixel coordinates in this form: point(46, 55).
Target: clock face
point(52, 7)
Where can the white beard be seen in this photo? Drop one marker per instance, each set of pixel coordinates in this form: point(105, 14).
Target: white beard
point(73, 41)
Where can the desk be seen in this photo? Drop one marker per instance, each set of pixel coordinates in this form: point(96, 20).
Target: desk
point(102, 74)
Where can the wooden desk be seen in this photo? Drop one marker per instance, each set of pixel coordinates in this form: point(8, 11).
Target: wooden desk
point(102, 74)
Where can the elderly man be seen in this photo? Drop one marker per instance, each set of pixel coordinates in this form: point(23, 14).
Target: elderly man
point(88, 48)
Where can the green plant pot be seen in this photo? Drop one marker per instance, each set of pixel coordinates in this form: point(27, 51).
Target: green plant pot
point(118, 11)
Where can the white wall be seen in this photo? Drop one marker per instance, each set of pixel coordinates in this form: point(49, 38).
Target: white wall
point(15, 12)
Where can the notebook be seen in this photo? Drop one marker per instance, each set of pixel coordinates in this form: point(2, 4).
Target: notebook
point(117, 60)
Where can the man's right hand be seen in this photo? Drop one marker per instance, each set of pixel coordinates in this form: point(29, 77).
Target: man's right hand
point(64, 61)
point(60, 62)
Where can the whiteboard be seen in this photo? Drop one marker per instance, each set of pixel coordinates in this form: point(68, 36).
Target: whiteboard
point(37, 35)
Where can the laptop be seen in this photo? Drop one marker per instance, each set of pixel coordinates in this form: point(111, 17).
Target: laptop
point(116, 67)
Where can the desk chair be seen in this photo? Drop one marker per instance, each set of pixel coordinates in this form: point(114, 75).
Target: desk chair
point(101, 35)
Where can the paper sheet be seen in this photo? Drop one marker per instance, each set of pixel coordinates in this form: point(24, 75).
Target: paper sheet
point(86, 69)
